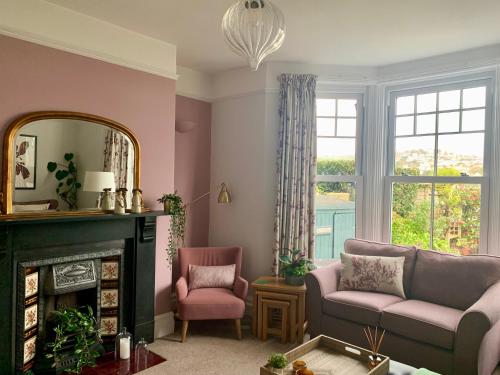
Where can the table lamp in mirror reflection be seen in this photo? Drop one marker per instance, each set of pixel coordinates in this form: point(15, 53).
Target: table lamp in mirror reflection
point(98, 182)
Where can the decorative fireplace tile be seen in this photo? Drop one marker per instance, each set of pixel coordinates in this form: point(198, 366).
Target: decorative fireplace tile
point(31, 287)
point(29, 349)
point(110, 270)
point(109, 326)
point(109, 298)
point(30, 317)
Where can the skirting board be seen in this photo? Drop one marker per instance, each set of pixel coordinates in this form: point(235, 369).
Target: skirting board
point(164, 324)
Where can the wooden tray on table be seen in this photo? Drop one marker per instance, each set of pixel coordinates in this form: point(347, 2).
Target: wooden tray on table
point(327, 356)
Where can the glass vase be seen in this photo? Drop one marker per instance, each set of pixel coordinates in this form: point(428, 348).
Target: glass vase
point(141, 355)
point(123, 343)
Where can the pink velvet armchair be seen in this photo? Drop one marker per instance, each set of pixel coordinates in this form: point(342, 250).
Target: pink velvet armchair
point(210, 303)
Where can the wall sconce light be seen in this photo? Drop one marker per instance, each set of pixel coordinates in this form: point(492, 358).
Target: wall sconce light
point(223, 198)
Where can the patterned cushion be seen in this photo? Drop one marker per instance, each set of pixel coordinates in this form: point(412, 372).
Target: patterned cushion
point(372, 274)
point(211, 276)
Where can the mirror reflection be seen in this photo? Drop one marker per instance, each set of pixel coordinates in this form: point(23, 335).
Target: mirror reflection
point(65, 164)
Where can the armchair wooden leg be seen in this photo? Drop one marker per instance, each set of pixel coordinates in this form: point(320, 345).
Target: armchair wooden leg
point(238, 328)
point(185, 325)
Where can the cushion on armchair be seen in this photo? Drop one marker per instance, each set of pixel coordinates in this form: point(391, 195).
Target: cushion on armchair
point(211, 276)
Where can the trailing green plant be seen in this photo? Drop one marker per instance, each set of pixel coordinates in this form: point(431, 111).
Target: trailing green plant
point(177, 229)
point(81, 328)
point(294, 263)
point(277, 360)
point(67, 175)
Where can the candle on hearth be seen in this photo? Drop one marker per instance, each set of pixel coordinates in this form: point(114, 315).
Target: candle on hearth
point(123, 343)
point(125, 348)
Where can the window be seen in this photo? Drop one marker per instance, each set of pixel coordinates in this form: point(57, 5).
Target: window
point(339, 183)
point(438, 166)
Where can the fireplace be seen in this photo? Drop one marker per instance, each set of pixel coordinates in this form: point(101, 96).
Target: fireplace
point(105, 262)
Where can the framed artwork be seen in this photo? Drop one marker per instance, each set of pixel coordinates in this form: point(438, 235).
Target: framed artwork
point(25, 162)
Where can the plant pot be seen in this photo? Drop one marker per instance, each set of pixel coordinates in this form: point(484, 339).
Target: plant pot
point(167, 206)
point(278, 371)
point(294, 280)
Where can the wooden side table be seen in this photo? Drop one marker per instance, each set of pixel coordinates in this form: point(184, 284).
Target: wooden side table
point(274, 288)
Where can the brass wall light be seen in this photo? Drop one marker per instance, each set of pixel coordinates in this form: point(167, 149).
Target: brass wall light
point(223, 198)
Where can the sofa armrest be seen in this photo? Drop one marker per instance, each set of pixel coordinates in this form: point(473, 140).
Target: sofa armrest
point(319, 283)
point(474, 325)
point(240, 289)
point(181, 288)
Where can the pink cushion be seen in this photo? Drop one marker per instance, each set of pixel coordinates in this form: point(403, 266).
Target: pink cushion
point(211, 303)
point(422, 321)
point(209, 256)
point(359, 307)
point(211, 276)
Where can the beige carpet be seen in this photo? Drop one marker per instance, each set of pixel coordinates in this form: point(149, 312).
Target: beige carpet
point(212, 349)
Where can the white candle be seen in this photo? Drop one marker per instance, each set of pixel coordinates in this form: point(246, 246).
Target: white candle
point(125, 348)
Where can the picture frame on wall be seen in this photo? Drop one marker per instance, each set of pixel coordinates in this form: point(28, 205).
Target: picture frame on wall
point(25, 177)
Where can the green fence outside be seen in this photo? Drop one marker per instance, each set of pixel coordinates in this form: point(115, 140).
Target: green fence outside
point(333, 227)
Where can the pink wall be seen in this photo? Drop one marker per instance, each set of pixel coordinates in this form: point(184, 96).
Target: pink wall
point(192, 166)
point(37, 78)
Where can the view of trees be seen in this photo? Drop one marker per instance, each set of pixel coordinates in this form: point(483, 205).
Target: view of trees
point(456, 209)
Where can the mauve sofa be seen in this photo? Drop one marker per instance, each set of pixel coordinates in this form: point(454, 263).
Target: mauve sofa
point(449, 322)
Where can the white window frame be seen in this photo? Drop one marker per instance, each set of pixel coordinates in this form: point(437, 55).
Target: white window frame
point(357, 178)
point(487, 80)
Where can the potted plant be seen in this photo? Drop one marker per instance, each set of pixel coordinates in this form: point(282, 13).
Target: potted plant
point(67, 175)
point(295, 266)
point(77, 342)
point(277, 362)
point(173, 206)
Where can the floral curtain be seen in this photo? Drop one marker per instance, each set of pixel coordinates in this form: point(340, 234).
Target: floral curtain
point(294, 221)
point(116, 157)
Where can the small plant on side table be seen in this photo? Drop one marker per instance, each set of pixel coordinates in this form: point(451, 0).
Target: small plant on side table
point(295, 266)
point(67, 175)
point(174, 207)
point(277, 362)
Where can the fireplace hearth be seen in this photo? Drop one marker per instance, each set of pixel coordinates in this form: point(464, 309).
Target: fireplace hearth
point(105, 262)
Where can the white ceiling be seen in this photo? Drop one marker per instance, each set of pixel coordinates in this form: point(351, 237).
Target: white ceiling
point(340, 32)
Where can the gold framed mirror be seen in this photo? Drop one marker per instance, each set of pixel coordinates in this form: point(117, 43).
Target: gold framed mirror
point(55, 163)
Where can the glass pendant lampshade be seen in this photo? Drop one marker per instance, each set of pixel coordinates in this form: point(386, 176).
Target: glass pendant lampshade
point(254, 29)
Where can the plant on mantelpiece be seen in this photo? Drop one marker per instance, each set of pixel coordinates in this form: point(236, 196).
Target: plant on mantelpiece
point(67, 177)
point(174, 206)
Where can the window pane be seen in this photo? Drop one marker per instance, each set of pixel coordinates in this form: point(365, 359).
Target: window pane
point(426, 124)
point(473, 120)
point(415, 156)
point(347, 107)
point(405, 105)
point(456, 218)
point(475, 97)
point(335, 217)
point(337, 148)
point(426, 102)
point(449, 100)
point(449, 122)
point(336, 167)
point(404, 125)
point(326, 126)
point(325, 107)
point(346, 127)
point(411, 214)
point(460, 154)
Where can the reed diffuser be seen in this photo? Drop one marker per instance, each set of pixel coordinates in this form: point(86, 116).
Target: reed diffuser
point(374, 342)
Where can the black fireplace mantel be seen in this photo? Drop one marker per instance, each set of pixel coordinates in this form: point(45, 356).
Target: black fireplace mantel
point(24, 240)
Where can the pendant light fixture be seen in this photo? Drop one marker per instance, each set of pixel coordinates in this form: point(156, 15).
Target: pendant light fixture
point(254, 29)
